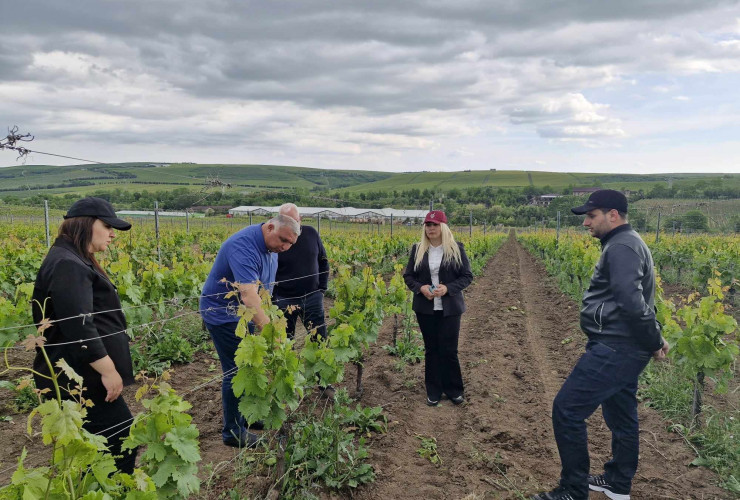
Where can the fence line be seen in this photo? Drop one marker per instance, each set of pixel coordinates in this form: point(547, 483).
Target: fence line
point(172, 301)
point(183, 395)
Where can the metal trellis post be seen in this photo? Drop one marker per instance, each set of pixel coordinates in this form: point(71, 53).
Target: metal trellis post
point(46, 223)
point(156, 230)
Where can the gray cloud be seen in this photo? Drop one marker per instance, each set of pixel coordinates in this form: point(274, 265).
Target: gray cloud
point(344, 77)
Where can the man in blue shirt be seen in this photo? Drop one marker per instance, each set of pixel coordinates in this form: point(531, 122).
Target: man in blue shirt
point(248, 258)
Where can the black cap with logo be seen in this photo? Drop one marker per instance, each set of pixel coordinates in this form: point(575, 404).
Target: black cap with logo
point(98, 208)
point(604, 198)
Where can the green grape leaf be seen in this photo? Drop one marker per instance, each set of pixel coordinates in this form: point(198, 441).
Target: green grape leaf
point(69, 371)
point(185, 442)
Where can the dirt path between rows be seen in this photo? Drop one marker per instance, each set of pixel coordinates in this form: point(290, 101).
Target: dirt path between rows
point(518, 342)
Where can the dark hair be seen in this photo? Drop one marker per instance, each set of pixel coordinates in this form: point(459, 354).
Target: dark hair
point(78, 231)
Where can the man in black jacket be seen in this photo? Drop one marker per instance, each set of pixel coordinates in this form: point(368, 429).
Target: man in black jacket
point(618, 316)
point(302, 278)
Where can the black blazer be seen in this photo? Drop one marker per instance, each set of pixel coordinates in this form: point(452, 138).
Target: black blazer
point(456, 278)
point(73, 286)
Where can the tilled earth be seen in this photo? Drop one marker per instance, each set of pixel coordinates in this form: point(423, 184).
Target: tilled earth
point(519, 340)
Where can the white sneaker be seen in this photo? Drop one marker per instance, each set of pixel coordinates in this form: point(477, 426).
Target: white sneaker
point(599, 483)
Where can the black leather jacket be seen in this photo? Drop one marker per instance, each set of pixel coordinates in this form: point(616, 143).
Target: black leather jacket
point(619, 305)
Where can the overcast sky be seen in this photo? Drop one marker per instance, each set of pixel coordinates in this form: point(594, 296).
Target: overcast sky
point(571, 85)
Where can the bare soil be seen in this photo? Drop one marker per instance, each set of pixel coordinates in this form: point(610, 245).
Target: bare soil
point(518, 342)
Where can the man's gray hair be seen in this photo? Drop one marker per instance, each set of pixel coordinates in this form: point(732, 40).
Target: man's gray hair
point(285, 208)
point(281, 220)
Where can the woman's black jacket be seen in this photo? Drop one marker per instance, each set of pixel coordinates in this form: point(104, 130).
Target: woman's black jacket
point(455, 277)
point(69, 285)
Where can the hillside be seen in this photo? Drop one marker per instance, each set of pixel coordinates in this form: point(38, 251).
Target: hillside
point(27, 180)
point(444, 181)
point(22, 180)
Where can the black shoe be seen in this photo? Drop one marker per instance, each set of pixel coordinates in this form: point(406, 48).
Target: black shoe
point(257, 426)
point(458, 400)
point(599, 483)
point(559, 493)
point(248, 440)
point(432, 402)
point(327, 392)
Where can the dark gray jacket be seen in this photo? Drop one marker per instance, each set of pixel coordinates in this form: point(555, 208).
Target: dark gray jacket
point(619, 305)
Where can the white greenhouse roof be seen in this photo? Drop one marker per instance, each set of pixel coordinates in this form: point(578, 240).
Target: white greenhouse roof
point(341, 212)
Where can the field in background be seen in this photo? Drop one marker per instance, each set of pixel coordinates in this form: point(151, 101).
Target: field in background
point(26, 180)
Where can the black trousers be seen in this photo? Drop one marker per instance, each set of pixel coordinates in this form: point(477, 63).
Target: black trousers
point(309, 308)
point(112, 420)
point(441, 367)
point(607, 376)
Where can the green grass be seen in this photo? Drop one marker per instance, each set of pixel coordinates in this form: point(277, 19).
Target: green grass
point(276, 176)
point(7, 209)
point(169, 176)
point(668, 389)
point(718, 212)
point(444, 181)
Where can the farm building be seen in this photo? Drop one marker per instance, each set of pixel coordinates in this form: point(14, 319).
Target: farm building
point(344, 213)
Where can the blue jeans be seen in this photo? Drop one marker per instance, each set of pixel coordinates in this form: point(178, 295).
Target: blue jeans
point(309, 308)
point(607, 376)
point(226, 342)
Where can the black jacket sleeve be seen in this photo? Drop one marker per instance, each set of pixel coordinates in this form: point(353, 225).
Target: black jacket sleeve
point(465, 276)
point(71, 292)
point(410, 276)
point(625, 277)
point(323, 267)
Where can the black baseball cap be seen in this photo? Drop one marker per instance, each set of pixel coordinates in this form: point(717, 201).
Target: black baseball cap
point(603, 198)
point(98, 208)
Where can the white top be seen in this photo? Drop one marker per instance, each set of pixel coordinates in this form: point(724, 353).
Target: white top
point(435, 260)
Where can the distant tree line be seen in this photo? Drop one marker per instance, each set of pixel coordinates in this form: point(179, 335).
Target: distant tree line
point(506, 206)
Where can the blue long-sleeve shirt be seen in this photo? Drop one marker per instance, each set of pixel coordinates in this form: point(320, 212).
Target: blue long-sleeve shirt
point(243, 258)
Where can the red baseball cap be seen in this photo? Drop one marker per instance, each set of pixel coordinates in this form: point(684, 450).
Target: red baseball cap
point(436, 216)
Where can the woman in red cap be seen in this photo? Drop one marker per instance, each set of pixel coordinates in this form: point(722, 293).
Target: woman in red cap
point(437, 272)
point(88, 328)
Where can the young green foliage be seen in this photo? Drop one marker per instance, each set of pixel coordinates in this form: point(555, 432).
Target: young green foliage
point(172, 451)
point(323, 451)
point(270, 377)
point(708, 342)
point(428, 449)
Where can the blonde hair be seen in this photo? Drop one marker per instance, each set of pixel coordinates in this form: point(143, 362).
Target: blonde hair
point(450, 250)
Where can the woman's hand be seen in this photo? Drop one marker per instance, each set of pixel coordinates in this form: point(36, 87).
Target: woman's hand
point(440, 291)
point(113, 384)
point(427, 292)
point(109, 376)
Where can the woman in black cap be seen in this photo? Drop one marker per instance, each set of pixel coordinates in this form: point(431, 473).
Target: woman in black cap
point(437, 272)
point(71, 284)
